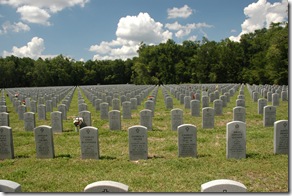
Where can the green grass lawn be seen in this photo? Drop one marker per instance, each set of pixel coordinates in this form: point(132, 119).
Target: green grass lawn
point(163, 171)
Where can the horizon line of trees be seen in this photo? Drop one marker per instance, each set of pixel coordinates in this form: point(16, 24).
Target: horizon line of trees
point(260, 57)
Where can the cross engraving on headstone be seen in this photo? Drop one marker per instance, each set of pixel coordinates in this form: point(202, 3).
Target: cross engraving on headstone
point(105, 190)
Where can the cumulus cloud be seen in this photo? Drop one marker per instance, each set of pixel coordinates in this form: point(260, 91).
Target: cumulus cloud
point(184, 30)
point(193, 38)
point(141, 28)
point(15, 27)
point(260, 15)
point(34, 14)
point(131, 31)
point(182, 12)
point(33, 49)
point(39, 11)
point(52, 6)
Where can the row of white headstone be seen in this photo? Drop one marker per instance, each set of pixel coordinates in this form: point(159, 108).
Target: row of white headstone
point(138, 142)
point(220, 185)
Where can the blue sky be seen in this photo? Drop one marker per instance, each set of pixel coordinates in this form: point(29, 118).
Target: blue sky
point(110, 29)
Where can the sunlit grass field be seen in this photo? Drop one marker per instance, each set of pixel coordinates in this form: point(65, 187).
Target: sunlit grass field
point(163, 171)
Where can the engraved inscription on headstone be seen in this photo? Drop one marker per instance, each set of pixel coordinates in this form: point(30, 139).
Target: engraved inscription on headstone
point(146, 118)
point(89, 142)
point(239, 114)
point(44, 142)
point(281, 137)
point(236, 140)
point(4, 119)
point(29, 121)
point(269, 116)
point(6, 143)
point(138, 142)
point(176, 118)
point(56, 121)
point(208, 118)
point(187, 140)
point(115, 120)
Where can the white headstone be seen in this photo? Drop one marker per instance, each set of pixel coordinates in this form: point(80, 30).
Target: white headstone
point(275, 99)
point(187, 102)
point(176, 118)
point(218, 107)
point(6, 143)
point(4, 119)
point(261, 104)
point(138, 142)
point(57, 121)
point(146, 118)
point(126, 112)
point(106, 186)
point(86, 115)
point(115, 120)
point(208, 118)
point(42, 112)
point(29, 121)
point(44, 142)
point(269, 116)
point(281, 137)
point(223, 185)
point(89, 143)
point(7, 186)
point(239, 114)
point(62, 108)
point(187, 140)
point(235, 140)
point(104, 109)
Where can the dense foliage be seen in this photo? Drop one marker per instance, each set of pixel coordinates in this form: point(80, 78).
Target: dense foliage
point(260, 57)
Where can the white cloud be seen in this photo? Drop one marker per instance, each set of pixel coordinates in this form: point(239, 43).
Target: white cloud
point(33, 49)
point(131, 31)
point(193, 38)
point(182, 12)
point(141, 28)
point(173, 26)
point(34, 14)
point(15, 27)
point(39, 11)
point(52, 6)
point(185, 30)
point(261, 14)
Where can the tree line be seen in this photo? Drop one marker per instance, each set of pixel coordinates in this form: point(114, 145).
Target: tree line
point(260, 57)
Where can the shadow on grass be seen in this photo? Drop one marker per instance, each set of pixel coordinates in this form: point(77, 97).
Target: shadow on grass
point(258, 156)
point(107, 157)
point(63, 156)
point(22, 156)
point(203, 155)
point(69, 130)
point(155, 157)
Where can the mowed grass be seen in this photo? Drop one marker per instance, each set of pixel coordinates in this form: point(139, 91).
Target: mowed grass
point(163, 171)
